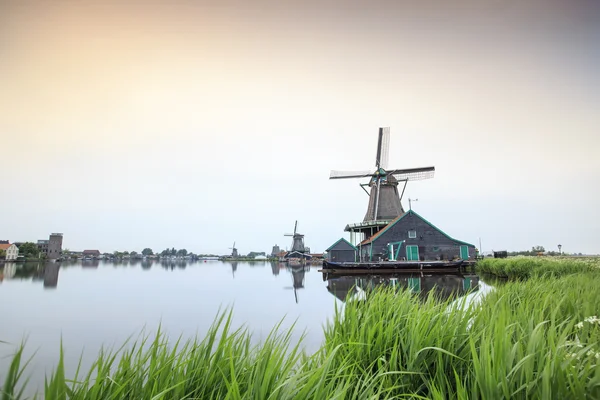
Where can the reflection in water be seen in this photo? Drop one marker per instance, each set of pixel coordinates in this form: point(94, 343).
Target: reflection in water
point(275, 268)
point(446, 286)
point(51, 275)
point(38, 272)
point(8, 271)
point(297, 272)
point(172, 264)
point(90, 263)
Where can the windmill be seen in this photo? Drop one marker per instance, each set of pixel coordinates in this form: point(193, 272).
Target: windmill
point(384, 197)
point(234, 252)
point(297, 241)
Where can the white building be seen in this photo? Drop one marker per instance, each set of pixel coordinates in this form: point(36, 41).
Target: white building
point(12, 251)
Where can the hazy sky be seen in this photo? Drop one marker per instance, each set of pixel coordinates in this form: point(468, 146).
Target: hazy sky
point(195, 124)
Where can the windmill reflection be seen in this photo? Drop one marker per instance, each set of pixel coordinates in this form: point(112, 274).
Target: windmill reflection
point(298, 272)
point(275, 266)
point(443, 286)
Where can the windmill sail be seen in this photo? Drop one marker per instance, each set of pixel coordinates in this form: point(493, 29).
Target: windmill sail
point(413, 174)
point(350, 174)
point(383, 148)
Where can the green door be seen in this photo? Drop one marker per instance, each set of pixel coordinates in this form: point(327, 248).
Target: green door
point(412, 253)
point(467, 283)
point(464, 252)
point(414, 284)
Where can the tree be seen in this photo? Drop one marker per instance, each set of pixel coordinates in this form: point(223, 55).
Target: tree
point(133, 253)
point(29, 249)
point(147, 251)
point(538, 249)
point(2, 254)
point(182, 252)
point(173, 251)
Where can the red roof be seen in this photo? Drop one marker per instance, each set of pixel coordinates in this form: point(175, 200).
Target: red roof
point(5, 246)
point(91, 252)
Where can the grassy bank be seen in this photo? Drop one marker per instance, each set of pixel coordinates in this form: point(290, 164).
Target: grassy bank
point(528, 267)
point(527, 339)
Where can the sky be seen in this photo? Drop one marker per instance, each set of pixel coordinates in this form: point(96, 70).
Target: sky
point(194, 124)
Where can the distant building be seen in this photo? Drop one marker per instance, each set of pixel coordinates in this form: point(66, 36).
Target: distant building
point(341, 251)
point(12, 251)
point(281, 255)
point(51, 248)
point(91, 253)
point(276, 250)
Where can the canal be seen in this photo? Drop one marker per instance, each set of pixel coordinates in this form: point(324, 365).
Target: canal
point(91, 304)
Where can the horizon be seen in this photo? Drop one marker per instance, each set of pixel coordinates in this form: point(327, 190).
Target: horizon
point(192, 125)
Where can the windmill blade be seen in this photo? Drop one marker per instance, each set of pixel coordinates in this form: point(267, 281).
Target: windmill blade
point(295, 227)
point(350, 174)
point(413, 174)
point(383, 148)
point(288, 234)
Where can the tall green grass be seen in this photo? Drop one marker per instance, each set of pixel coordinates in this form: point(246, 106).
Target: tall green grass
point(524, 340)
point(528, 267)
point(520, 342)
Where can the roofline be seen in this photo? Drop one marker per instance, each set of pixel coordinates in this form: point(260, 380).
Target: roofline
point(381, 232)
point(441, 231)
point(333, 245)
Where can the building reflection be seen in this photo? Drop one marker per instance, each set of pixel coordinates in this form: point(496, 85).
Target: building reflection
point(9, 271)
point(51, 275)
point(90, 263)
point(442, 286)
point(172, 264)
point(146, 264)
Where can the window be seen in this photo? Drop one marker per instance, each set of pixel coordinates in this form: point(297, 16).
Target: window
point(412, 234)
point(435, 248)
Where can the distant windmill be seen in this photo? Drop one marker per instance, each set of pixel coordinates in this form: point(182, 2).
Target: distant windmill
point(234, 252)
point(297, 241)
point(384, 198)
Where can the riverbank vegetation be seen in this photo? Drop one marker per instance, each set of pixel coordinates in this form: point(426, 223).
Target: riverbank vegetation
point(528, 267)
point(527, 339)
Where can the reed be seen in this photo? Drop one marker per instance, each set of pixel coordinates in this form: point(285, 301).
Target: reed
point(535, 339)
point(523, 267)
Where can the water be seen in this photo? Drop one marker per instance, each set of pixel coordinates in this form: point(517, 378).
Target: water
point(94, 303)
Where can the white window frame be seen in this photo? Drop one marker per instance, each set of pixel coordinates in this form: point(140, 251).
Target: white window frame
point(412, 234)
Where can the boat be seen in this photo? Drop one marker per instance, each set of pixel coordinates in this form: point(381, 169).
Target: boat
point(392, 266)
